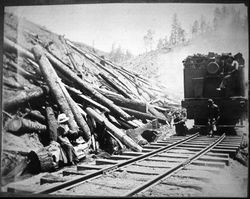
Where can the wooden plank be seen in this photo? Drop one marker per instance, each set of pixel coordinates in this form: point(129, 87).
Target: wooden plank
point(208, 164)
point(138, 172)
point(162, 159)
point(208, 169)
point(120, 157)
point(180, 151)
point(158, 144)
point(173, 156)
point(154, 167)
point(88, 166)
point(151, 147)
point(199, 142)
point(214, 159)
point(131, 153)
point(192, 146)
point(168, 141)
point(223, 150)
point(203, 179)
point(105, 161)
point(189, 148)
point(222, 155)
point(184, 185)
point(231, 143)
point(227, 147)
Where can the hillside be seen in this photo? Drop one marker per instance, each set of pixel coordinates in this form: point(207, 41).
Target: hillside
point(164, 65)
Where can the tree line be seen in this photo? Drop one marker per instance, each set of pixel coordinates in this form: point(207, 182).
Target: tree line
point(178, 36)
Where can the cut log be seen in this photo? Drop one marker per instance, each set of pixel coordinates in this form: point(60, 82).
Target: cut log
point(52, 80)
point(24, 96)
point(41, 161)
point(156, 113)
point(88, 56)
point(143, 116)
point(20, 124)
point(12, 83)
point(12, 47)
point(114, 130)
point(86, 99)
point(85, 87)
point(72, 66)
point(52, 123)
point(125, 124)
point(120, 69)
point(69, 54)
point(36, 115)
point(115, 86)
point(124, 102)
point(21, 71)
point(78, 116)
point(149, 126)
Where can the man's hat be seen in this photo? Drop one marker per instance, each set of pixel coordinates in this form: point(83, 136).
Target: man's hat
point(62, 118)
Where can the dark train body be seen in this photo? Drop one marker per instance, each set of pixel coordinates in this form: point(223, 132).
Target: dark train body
point(202, 77)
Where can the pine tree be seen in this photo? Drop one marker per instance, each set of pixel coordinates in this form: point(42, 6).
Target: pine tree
point(174, 31)
point(178, 35)
point(217, 18)
point(149, 39)
point(195, 29)
point(203, 24)
point(160, 44)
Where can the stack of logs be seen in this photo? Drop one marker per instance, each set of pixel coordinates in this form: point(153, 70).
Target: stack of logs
point(62, 88)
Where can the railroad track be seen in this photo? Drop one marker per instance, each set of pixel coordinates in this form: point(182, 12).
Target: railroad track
point(134, 173)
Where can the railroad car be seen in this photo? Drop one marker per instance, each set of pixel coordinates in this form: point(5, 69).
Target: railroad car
point(203, 75)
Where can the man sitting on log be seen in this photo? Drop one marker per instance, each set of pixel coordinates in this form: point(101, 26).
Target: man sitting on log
point(63, 131)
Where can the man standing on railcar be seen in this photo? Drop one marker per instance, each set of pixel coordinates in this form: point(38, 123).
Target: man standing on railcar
point(231, 67)
point(213, 117)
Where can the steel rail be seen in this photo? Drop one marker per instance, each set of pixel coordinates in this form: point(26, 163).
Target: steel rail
point(75, 182)
point(175, 169)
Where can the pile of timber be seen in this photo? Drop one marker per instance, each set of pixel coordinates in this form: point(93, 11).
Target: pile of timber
point(38, 85)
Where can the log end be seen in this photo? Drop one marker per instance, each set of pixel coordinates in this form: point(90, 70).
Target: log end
point(37, 51)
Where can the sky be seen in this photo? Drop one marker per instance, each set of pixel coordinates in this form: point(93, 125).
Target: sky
point(124, 24)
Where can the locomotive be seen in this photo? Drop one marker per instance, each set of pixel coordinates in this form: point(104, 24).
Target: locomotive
point(203, 75)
